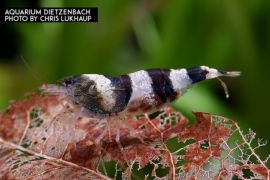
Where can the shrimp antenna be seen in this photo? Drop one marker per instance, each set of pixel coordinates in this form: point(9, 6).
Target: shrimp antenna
point(30, 69)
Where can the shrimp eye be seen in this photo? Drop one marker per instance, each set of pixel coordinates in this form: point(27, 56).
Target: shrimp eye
point(66, 82)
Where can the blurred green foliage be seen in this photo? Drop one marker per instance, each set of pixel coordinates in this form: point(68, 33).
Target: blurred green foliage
point(134, 35)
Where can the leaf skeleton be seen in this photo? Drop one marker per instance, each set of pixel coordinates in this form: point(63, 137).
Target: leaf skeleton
point(135, 93)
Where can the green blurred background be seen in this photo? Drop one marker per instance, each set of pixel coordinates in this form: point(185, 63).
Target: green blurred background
point(134, 35)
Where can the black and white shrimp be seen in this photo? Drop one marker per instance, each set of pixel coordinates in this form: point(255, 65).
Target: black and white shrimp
point(136, 93)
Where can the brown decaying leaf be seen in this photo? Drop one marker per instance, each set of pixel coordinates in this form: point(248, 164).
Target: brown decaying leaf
point(46, 137)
